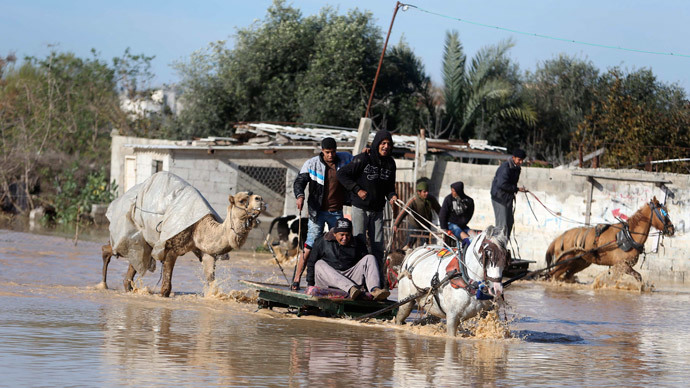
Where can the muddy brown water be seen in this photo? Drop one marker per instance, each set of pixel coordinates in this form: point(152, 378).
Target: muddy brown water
point(58, 329)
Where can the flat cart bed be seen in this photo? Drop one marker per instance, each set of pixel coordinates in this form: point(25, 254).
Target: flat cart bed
point(278, 295)
point(516, 267)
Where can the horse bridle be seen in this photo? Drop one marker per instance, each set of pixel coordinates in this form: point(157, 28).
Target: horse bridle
point(662, 215)
point(487, 277)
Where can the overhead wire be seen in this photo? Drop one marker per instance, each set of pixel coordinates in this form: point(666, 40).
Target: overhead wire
point(544, 36)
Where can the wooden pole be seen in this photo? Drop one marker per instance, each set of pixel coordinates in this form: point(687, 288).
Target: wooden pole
point(383, 52)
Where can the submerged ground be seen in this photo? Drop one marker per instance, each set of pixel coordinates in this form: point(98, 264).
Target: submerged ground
point(58, 329)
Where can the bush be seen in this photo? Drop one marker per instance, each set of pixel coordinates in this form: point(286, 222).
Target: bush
point(74, 199)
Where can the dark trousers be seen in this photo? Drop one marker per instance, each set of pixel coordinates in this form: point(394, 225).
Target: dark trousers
point(504, 216)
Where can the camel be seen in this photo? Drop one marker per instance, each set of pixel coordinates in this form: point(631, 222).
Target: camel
point(600, 244)
point(208, 238)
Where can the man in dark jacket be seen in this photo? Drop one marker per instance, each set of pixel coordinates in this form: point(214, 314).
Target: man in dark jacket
point(326, 195)
point(503, 189)
point(370, 180)
point(423, 205)
point(337, 260)
point(456, 212)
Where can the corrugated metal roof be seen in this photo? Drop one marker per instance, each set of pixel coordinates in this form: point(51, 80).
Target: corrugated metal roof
point(267, 136)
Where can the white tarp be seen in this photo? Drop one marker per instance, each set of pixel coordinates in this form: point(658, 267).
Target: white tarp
point(149, 214)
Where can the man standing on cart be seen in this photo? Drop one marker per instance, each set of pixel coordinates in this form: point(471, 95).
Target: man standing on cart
point(326, 196)
point(370, 180)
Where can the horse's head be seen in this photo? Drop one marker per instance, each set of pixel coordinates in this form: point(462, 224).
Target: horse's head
point(660, 218)
point(491, 253)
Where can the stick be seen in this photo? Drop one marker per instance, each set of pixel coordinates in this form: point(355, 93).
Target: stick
point(391, 307)
point(433, 288)
point(530, 273)
point(270, 248)
point(300, 245)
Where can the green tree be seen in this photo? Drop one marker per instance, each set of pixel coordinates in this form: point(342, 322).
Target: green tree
point(401, 92)
point(482, 98)
point(562, 91)
point(334, 89)
point(636, 119)
point(291, 68)
point(55, 111)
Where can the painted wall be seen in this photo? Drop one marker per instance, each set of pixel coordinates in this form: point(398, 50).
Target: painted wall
point(565, 194)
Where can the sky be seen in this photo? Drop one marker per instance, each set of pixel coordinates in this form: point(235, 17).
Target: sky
point(171, 30)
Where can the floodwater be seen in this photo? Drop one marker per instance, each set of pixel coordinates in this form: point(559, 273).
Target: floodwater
point(58, 329)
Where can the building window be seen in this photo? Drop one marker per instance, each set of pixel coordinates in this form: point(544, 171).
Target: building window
point(156, 166)
point(272, 178)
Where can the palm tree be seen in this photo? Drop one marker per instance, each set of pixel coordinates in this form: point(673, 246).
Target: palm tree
point(480, 95)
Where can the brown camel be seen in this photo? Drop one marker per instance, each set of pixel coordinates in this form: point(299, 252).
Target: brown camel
point(207, 238)
point(598, 245)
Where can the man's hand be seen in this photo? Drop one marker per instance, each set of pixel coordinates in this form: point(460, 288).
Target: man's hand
point(362, 194)
point(394, 199)
point(295, 286)
point(300, 203)
point(523, 189)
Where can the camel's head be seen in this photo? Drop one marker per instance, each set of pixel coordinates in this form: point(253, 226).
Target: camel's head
point(245, 206)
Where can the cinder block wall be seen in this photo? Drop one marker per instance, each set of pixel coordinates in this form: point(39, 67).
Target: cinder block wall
point(566, 194)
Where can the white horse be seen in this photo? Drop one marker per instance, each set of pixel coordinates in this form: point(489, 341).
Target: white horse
point(481, 269)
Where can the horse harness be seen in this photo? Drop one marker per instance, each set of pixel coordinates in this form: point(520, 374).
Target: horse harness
point(456, 272)
point(624, 239)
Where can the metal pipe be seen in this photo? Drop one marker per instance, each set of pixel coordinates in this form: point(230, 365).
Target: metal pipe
point(383, 52)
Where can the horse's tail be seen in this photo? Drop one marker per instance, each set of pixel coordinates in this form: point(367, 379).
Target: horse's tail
point(550, 252)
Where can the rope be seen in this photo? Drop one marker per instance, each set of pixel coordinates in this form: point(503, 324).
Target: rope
point(423, 222)
point(532, 273)
point(557, 215)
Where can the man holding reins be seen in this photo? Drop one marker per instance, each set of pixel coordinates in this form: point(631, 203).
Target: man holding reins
point(503, 190)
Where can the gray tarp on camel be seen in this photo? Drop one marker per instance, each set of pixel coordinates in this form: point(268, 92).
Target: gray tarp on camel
point(149, 214)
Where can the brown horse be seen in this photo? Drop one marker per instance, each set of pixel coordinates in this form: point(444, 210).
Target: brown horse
point(599, 244)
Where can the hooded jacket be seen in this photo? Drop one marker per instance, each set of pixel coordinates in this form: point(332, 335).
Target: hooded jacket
point(457, 210)
point(313, 172)
point(372, 173)
point(504, 185)
point(340, 257)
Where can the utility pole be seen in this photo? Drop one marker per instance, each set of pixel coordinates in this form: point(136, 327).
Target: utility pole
point(383, 52)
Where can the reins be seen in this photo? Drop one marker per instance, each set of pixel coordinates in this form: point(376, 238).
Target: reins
point(653, 207)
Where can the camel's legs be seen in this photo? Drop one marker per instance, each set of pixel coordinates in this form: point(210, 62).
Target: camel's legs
point(168, 267)
point(209, 264)
point(106, 254)
point(129, 278)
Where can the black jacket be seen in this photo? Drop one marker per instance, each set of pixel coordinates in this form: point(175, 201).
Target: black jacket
point(313, 173)
point(504, 185)
point(328, 249)
point(372, 173)
point(457, 210)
